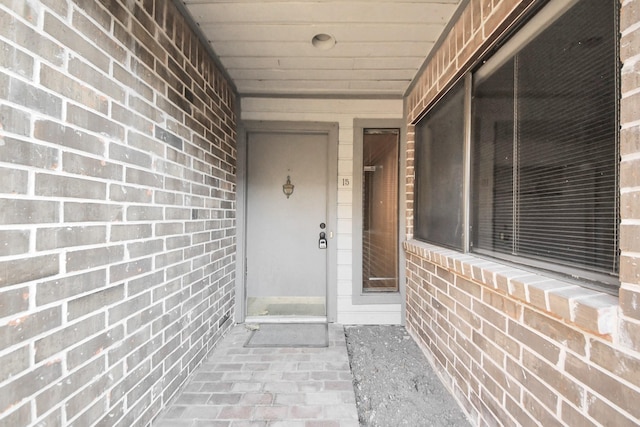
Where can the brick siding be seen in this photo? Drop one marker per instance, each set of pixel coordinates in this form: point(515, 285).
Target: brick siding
point(516, 348)
point(117, 209)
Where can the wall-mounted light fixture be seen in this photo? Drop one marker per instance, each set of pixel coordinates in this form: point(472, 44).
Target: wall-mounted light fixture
point(287, 188)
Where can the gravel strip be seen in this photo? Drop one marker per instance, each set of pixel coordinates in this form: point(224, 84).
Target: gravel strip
point(394, 383)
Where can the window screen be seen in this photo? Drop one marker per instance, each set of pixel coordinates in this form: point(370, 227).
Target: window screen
point(545, 146)
point(439, 172)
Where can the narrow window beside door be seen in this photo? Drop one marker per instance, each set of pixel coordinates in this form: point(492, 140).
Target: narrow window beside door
point(380, 210)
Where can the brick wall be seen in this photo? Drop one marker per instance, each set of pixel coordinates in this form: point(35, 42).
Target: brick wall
point(117, 200)
point(517, 348)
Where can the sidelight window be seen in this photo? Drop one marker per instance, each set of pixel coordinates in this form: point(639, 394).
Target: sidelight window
point(380, 210)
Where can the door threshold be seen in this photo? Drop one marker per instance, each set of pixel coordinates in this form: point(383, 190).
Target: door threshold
point(285, 319)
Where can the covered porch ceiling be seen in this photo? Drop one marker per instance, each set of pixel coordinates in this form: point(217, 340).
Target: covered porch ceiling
point(267, 48)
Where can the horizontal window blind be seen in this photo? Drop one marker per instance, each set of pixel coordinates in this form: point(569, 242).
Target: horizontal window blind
point(552, 170)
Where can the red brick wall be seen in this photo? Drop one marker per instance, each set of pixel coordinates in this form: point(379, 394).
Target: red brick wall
point(117, 201)
point(514, 347)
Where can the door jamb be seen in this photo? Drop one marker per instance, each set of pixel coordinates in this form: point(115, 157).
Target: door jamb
point(252, 126)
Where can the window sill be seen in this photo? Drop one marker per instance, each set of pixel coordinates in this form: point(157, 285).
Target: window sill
point(590, 310)
point(364, 298)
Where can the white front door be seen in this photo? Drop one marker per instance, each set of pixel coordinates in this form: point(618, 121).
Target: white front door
point(286, 267)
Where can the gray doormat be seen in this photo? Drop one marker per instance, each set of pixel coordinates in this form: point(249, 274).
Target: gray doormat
point(289, 335)
point(295, 310)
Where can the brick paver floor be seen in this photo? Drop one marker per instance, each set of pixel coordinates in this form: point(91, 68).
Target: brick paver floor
point(274, 387)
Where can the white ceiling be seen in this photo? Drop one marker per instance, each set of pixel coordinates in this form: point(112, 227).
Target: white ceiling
point(266, 48)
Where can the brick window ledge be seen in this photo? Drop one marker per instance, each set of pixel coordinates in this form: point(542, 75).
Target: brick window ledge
point(590, 310)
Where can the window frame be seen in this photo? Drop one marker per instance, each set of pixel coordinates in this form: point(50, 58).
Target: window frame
point(542, 18)
point(358, 295)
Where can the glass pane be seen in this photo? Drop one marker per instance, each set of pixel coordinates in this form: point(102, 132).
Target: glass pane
point(493, 162)
point(439, 172)
point(545, 146)
point(380, 210)
point(566, 140)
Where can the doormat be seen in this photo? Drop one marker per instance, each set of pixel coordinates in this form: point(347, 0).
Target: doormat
point(289, 335)
point(295, 310)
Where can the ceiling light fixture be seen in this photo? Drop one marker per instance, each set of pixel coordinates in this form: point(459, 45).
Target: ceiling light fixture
point(323, 41)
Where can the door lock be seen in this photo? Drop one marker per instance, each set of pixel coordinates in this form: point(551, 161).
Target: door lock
point(322, 243)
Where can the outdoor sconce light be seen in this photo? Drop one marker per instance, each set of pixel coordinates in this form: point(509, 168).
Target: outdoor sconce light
point(287, 188)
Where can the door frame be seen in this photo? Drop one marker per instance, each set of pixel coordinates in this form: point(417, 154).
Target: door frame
point(248, 127)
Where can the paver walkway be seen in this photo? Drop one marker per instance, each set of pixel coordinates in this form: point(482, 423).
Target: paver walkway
point(275, 387)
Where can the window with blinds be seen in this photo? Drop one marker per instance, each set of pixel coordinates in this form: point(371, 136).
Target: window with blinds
point(545, 147)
